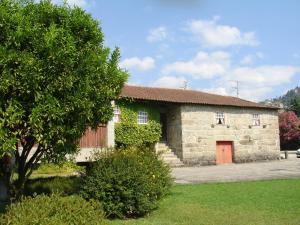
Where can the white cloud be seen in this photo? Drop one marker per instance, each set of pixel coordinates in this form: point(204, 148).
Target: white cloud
point(259, 55)
point(170, 82)
point(257, 82)
point(142, 64)
point(203, 65)
point(217, 90)
point(269, 75)
point(212, 34)
point(256, 95)
point(157, 34)
point(247, 60)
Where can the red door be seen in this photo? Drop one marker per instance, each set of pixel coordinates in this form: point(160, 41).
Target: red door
point(224, 152)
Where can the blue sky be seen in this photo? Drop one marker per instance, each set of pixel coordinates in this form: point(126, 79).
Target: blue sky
point(206, 43)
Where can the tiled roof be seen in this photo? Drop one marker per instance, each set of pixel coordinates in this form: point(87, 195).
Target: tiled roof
point(186, 97)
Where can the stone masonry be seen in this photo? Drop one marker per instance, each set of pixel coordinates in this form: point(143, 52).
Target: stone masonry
point(174, 132)
point(193, 133)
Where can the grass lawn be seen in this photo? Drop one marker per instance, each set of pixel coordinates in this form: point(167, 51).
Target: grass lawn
point(53, 170)
point(275, 202)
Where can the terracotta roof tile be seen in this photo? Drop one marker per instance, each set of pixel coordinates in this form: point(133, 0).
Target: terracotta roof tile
point(186, 97)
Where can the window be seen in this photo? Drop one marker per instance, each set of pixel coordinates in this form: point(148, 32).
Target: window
point(142, 117)
point(220, 118)
point(117, 114)
point(256, 120)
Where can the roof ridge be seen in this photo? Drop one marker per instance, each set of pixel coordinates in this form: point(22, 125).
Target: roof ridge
point(186, 96)
point(183, 90)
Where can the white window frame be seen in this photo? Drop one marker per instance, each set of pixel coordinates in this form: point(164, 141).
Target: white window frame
point(117, 114)
point(255, 119)
point(220, 116)
point(142, 117)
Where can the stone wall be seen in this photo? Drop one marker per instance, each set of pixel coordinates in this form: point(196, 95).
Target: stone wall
point(174, 133)
point(250, 143)
point(110, 133)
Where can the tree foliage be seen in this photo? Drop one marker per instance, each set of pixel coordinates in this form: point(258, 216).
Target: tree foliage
point(56, 79)
point(295, 105)
point(289, 126)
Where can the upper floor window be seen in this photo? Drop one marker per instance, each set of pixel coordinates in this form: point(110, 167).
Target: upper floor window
point(117, 114)
point(220, 118)
point(256, 120)
point(142, 117)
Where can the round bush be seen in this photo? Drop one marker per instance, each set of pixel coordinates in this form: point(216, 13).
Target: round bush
point(53, 210)
point(128, 183)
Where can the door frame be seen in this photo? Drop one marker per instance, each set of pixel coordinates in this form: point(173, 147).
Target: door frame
point(232, 150)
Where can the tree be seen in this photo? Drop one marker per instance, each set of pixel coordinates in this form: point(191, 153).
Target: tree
point(56, 80)
point(289, 126)
point(295, 105)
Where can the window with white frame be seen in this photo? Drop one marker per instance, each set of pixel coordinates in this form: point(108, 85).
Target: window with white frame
point(256, 120)
point(220, 118)
point(117, 114)
point(142, 117)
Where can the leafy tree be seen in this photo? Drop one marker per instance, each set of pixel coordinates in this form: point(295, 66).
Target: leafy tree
point(56, 80)
point(295, 105)
point(289, 126)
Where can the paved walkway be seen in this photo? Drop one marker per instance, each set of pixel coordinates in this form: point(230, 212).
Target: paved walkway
point(281, 169)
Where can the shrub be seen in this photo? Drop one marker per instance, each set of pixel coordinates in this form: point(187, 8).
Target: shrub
point(61, 185)
point(53, 210)
point(129, 133)
point(289, 126)
point(137, 135)
point(128, 183)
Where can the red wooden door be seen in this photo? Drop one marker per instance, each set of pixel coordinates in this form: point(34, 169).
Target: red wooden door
point(224, 152)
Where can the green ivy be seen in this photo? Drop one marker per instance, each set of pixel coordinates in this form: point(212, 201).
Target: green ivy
point(129, 133)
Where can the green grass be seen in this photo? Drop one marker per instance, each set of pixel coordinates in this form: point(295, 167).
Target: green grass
point(275, 202)
point(52, 170)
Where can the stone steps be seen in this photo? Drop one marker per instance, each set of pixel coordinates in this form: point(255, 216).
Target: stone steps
point(167, 155)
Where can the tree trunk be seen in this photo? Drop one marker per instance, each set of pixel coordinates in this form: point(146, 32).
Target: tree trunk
point(5, 178)
point(19, 184)
point(25, 164)
point(4, 196)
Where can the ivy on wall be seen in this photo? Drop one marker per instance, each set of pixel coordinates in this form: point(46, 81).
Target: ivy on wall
point(129, 133)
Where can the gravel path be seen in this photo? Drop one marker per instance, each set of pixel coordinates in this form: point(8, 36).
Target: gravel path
point(281, 169)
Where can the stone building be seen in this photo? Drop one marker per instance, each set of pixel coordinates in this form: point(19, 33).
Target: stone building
point(201, 129)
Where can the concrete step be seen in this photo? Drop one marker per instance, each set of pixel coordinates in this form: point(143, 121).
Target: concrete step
point(164, 151)
point(172, 160)
point(175, 164)
point(167, 155)
point(161, 145)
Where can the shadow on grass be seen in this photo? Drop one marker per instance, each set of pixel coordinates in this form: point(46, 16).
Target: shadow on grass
point(62, 185)
point(2, 207)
